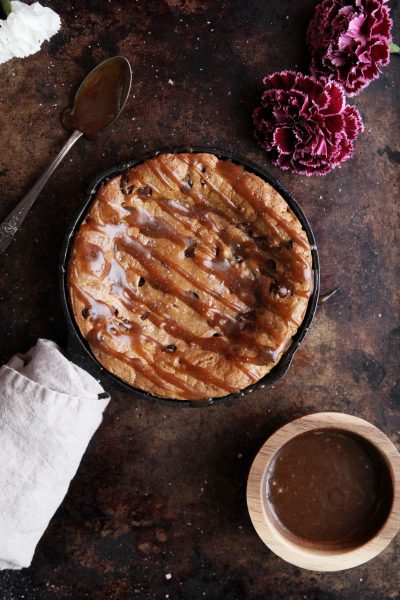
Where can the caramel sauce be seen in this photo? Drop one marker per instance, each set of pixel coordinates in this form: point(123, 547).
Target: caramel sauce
point(300, 271)
point(234, 174)
point(328, 487)
point(232, 309)
point(99, 99)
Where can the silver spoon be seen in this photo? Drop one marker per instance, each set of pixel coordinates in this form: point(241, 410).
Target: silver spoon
point(98, 102)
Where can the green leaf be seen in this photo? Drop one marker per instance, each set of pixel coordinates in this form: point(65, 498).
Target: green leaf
point(394, 48)
point(6, 4)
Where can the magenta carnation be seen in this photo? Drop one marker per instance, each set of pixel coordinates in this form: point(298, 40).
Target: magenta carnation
point(349, 41)
point(304, 123)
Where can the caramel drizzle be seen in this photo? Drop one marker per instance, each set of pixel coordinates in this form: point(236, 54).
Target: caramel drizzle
point(242, 287)
point(227, 169)
point(278, 308)
point(233, 281)
point(201, 211)
point(145, 256)
point(98, 335)
point(235, 175)
point(259, 206)
point(212, 344)
point(213, 316)
point(160, 281)
point(222, 271)
point(300, 270)
point(140, 304)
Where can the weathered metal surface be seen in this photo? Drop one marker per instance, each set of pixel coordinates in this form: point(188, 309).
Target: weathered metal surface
point(161, 490)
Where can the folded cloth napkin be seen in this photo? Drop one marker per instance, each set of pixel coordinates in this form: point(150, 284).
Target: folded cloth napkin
point(49, 410)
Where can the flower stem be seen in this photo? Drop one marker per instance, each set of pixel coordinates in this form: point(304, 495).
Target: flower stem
point(6, 4)
point(394, 48)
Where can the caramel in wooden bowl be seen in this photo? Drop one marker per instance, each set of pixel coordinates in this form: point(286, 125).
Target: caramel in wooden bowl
point(324, 492)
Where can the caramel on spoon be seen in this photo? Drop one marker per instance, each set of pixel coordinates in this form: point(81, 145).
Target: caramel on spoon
point(98, 102)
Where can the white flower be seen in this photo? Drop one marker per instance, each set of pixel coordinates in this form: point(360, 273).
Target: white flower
point(25, 29)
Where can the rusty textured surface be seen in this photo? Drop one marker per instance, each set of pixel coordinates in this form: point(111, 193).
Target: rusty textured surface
point(161, 490)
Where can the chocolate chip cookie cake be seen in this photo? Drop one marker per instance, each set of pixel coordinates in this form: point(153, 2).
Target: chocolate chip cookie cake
point(189, 276)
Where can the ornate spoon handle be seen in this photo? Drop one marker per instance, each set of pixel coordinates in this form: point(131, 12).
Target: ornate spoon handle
point(10, 226)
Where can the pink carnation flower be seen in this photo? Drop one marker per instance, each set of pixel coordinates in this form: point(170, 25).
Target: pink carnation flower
point(304, 124)
point(349, 41)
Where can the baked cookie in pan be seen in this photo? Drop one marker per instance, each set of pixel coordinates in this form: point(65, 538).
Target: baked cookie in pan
point(189, 276)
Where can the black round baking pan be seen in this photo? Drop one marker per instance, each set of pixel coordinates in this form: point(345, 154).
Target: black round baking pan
point(79, 350)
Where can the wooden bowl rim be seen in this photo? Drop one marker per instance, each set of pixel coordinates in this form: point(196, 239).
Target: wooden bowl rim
point(311, 558)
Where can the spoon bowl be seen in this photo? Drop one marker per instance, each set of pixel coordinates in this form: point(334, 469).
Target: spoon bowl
point(100, 98)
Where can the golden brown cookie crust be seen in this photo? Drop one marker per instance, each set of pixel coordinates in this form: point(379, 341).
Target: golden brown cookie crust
point(189, 276)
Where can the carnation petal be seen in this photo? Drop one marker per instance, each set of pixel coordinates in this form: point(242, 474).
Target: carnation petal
point(308, 129)
point(334, 123)
point(284, 139)
point(349, 41)
point(335, 100)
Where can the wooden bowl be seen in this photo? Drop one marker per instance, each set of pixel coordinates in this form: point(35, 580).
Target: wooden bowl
point(313, 558)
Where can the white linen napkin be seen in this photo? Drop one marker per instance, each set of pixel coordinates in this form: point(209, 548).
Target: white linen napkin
point(49, 410)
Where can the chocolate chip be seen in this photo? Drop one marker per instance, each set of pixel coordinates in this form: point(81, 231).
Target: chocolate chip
point(85, 313)
point(125, 324)
point(202, 168)
point(244, 225)
point(141, 282)
point(116, 312)
point(217, 252)
point(112, 329)
point(145, 192)
point(145, 315)
point(170, 348)
point(187, 182)
point(125, 188)
point(242, 324)
point(237, 253)
point(259, 296)
point(216, 334)
point(245, 318)
point(279, 289)
point(288, 245)
point(189, 252)
point(248, 316)
point(202, 182)
point(270, 265)
point(262, 242)
point(195, 294)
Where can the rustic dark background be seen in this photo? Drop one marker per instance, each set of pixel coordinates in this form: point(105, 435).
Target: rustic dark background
point(161, 490)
